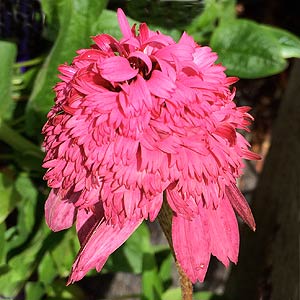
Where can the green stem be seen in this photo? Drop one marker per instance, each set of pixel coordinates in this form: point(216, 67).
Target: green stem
point(18, 142)
point(165, 220)
point(29, 63)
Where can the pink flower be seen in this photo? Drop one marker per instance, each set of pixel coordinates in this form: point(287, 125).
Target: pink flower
point(132, 119)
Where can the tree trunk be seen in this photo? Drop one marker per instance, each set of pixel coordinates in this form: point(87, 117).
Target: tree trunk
point(268, 267)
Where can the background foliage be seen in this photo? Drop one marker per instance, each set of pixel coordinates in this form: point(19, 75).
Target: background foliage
point(35, 262)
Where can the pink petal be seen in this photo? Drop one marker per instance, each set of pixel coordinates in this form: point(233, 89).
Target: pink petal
point(182, 52)
point(117, 69)
point(102, 239)
point(124, 25)
point(155, 205)
point(59, 213)
point(160, 85)
point(191, 246)
point(139, 94)
point(223, 231)
point(240, 205)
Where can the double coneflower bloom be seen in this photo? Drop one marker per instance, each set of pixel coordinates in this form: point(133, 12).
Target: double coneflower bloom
point(137, 118)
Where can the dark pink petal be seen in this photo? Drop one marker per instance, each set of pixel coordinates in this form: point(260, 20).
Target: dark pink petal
point(59, 213)
point(191, 245)
point(124, 25)
point(250, 155)
point(144, 33)
point(117, 69)
point(105, 42)
point(228, 132)
point(142, 56)
point(86, 219)
point(102, 240)
point(240, 205)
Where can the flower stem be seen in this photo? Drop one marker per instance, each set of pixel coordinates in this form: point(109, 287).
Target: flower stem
point(165, 221)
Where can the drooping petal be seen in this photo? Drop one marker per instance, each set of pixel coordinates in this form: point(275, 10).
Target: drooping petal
point(223, 231)
point(59, 213)
point(240, 205)
point(191, 245)
point(101, 241)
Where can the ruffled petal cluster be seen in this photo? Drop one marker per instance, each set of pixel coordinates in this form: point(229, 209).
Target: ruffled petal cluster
point(136, 118)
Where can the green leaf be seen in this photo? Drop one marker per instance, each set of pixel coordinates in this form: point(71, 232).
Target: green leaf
point(175, 294)
point(29, 195)
point(76, 18)
point(165, 270)
point(2, 244)
point(129, 257)
point(151, 282)
point(247, 50)
point(34, 290)
point(214, 11)
point(21, 265)
point(51, 11)
point(68, 244)
point(9, 196)
point(8, 52)
point(108, 23)
point(47, 270)
point(136, 245)
point(59, 291)
point(172, 294)
point(26, 210)
point(289, 43)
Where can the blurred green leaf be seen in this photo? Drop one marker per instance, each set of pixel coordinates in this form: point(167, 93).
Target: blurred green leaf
point(9, 196)
point(47, 270)
point(68, 245)
point(2, 244)
point(76, 18)
point(172, 294)
point(215, 11)
point(34, 290)
point(26, 210)
point(136, 245)
point(22, 264)
point(247, 50)
point(151, 282)
point(108, 23)
point(59, 291)
point(129, 257)
point(165, 270)
point(8, 52)
point(51, 11)
point(175, 294)
point(289, 43)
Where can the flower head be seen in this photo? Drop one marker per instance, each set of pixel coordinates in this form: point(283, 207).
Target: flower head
point(135, 118)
